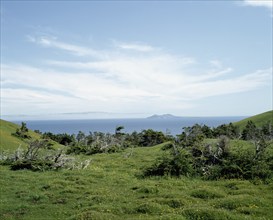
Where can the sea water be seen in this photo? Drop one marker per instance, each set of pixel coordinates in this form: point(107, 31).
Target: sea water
point(172, 126)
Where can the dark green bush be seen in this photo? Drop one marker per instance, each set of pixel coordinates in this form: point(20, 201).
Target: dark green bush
point(22, 132)
point(173, 165)
point(36, 165)
point(150, 138)
point(190, 155)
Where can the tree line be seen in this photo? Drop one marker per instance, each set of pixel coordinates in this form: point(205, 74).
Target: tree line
point(198, 151)
point(191, 154)
point(99, 142)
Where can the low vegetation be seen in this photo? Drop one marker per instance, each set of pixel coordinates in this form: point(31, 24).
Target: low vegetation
point(40, 156)
point(112, 187)
point(12, 136)
point(260, 120)
point(11, 142)
point(99, 142)
point(203, 173)
point(22, 132)
point(191, 154)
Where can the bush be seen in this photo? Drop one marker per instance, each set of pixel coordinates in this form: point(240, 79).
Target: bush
point(38, 158)
point(176, 165)
point(150, 138)
point(22, 132)
point(37, 165)
point(64, 139)
point(190, 155)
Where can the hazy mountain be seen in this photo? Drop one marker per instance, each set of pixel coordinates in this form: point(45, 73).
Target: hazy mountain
point(164, 116)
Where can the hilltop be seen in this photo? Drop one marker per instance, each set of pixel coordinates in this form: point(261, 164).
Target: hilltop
point(259, 120)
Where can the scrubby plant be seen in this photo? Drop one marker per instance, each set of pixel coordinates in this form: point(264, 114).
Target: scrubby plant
point(150, 138)
point(177, 163)
point(64, 139)
point(97, 143)
point(190, 155)
point(229, 130)
point(37, 157)
point(22, 132)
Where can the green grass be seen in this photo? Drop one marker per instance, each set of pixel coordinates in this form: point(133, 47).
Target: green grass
point(112, 188)
point(9, 142)
point(259, 120)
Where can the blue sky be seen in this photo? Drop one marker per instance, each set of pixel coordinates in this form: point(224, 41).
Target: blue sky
point(135, 58)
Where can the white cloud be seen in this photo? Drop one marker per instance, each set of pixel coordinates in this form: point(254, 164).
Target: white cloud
point(136, 47)
point(118, 82)
point(233, 85)
point(73, 49)
point(259, 3)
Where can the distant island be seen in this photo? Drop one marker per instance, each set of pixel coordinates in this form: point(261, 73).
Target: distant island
point(164, 116)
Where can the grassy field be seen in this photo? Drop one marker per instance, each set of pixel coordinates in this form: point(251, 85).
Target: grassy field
point(259, 120)
point(10, 142)
point(112, 188)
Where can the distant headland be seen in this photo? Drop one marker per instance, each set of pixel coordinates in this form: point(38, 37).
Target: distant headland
point(164, 116)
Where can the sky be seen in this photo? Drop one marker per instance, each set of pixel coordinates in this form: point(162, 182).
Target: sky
point(132, 59)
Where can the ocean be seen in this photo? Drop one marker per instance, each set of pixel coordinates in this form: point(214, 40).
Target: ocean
point(172, 126)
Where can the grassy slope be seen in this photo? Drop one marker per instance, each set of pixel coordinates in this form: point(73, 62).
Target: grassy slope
point(259, 120)
point(8, 141)
point(110, 188)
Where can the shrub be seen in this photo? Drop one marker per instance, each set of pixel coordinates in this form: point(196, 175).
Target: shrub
point(98, 143)
point(190, 155)
point(176, 165)
point(37, 165)
point(22, 132)
point(150, 138)
point(38, 158)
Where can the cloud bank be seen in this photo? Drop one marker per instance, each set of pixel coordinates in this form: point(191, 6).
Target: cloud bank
point(259, 3)
point(128, 77)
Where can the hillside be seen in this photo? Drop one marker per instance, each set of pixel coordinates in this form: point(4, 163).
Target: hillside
point(10, 142)
point(112, 188)
point(259, 120)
